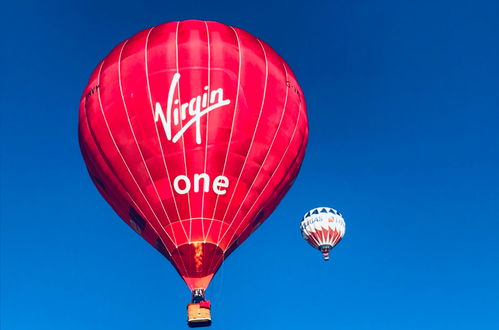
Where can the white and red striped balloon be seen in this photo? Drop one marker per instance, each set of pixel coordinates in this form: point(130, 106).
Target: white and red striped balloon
point(323, 228)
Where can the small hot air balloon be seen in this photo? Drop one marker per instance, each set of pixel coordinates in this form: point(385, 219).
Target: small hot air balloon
point(193, 132)
point(323, 228)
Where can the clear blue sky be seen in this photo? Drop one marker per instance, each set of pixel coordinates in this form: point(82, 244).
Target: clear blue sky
point(403, 101)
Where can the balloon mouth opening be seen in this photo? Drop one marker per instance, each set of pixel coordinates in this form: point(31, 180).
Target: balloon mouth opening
point(197, 262)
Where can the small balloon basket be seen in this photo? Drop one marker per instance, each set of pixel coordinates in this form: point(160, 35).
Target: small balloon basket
point(198, 312)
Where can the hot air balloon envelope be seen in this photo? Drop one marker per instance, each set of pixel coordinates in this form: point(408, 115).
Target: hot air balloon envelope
point(193, 132)
point(323, 228)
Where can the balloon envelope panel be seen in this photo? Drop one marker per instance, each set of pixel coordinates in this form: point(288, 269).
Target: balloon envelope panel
point(193, 132)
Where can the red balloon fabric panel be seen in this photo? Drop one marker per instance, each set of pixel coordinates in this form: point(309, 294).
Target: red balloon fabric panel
point(193, 132)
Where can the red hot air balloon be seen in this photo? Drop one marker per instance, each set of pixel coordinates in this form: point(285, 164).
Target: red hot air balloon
point(193, 132)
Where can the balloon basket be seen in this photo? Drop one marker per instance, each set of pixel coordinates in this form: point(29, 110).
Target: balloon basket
point(325, 249)
point(198, 314)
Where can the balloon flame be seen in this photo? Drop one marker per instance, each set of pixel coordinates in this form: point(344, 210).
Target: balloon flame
point(198, 255)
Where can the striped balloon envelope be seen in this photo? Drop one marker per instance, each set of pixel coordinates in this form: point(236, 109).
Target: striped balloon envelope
point(323, 228)
point(193, 132)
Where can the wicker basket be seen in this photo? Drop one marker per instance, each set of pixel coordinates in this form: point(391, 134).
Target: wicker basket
point(198, 316)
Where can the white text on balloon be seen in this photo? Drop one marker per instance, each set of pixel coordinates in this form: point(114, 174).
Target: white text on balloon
point(219, 184)
point(197, 107)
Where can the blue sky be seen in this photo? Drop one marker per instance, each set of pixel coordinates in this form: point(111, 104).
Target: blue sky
point(403, 105)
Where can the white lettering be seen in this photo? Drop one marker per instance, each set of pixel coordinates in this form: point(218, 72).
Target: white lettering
point(206, 182)
point(220, 182)
point(196, 108)
point(177, 187)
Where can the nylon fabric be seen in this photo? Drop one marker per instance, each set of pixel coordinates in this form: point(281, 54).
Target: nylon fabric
point(193, 132)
